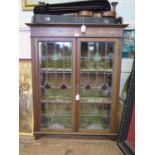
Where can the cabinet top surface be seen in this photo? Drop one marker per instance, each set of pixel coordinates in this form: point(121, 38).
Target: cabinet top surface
point(76, 25)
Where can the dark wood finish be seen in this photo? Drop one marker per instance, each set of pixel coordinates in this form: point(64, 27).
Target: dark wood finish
point(74, 109)
point(34, 85)
point(116, 84)
point(76, 24)
point(75, 133)
point(72, 32)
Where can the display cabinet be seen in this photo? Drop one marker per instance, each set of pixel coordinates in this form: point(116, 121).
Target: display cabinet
point(76, 78)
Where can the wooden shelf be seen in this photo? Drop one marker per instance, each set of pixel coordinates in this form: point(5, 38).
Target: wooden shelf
point(42, 70)
point(97, 101)
point(94, 70)
point(106, 58)
point(62, 70)
point(82, 101)
point(93, 115)
point(55, 115)
point(59, 102)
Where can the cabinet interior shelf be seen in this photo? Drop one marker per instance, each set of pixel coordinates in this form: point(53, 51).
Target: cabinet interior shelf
point(82, 102)
point(55, 115)
point(64, 70)
point(55, 69)
point(92, 58)
point(60, 115)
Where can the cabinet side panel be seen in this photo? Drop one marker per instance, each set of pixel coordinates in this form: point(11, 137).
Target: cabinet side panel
point(34, 85)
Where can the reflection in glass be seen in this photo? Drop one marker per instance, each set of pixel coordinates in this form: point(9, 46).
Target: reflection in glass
point(67, 63)
point(92, 118)
point(92, 64)
point(56, 115)
point(101, 65)
point(102, 49)
point(110, 49)
point(55, 122)
point(84, 64)
point(91, 49)
point(84, 49)
point(109, 64)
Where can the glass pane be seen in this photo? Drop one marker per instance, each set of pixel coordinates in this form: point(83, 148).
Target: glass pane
point(42, 55)
point(109, 79)
point(44, 121)
point(67, 49)
point(86, 78)
point(102, 48)
point(55, 122)
point(108, 64)
point(84, 64)
point(67, 64)
point(95, 118)
point(67, 79)
point(92, 64)
point(56, 115)
point(92, 48)
point(56, 84)
point(104, 85)
point(110, 50)
point(59, 122)
point(84, 49)
point(52, 108)
point(101, 65)
point(96, 85)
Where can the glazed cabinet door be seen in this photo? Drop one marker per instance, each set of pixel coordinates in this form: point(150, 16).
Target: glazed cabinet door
point(76, 84)
point(97, 84)
point(55, 83)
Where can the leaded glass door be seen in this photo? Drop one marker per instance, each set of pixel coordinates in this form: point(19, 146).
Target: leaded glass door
point(95, 72)
point(56, 83)
point(77, 89)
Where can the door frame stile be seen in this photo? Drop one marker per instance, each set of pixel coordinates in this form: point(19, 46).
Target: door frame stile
point(74, 113)
point(78, 56)
point(116, 86)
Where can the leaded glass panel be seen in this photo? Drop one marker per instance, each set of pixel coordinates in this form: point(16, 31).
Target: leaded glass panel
point(55, 59)
point(96, 69)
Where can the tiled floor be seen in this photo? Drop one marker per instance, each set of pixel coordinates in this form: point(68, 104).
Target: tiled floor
point(65, 146)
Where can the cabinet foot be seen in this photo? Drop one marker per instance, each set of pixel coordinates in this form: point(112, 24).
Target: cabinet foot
point(37, 136)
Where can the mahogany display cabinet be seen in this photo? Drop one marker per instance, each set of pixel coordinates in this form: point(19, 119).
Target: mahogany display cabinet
point(76, 78)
